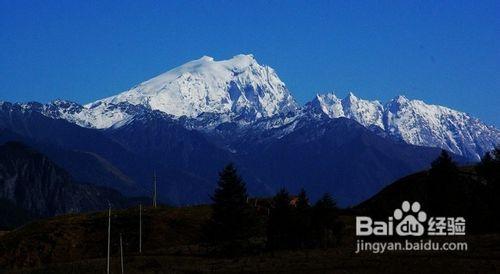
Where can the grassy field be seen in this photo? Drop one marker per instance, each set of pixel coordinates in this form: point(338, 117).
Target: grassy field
point(77, 244)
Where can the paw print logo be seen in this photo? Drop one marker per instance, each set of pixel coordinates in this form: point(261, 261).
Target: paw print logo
point(410, 218)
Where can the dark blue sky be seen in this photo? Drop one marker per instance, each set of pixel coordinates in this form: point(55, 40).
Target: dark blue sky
point(446, 53)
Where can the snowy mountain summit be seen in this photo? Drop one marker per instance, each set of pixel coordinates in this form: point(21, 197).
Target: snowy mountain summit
point(415, 122)
point(363, 111)
point(235, 87)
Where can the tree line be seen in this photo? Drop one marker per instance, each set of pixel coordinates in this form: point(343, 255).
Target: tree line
point(471, 191)
point(285, 222)
point(239, 224)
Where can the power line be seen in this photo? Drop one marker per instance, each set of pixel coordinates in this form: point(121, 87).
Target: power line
point(121, 253)
point(109, 237)
point(154, 189)
point(140, 228)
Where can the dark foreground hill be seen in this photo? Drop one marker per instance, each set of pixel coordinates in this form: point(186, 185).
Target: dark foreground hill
point(172, 237)
point(172, 243)
point(467, 195)
point(32, 186)
point(77, 244)
point(79, 237)
point(12, 216)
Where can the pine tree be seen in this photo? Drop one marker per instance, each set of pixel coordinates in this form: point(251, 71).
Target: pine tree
point(325, 224)
point(489, 168)
point(302, 200)
point(280, 221)
point(302, 220)
point(233, 221)
point(444, 188)
point(444, 167)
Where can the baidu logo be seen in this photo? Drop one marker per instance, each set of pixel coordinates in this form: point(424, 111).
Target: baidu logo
point(410, 220)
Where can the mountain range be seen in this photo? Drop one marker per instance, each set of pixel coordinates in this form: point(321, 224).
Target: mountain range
point(415, 122)
point(190, 121)
point(240, 90)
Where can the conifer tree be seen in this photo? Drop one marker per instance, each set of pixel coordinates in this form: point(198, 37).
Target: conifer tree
point(280, 221)
point(302, 200)
point(233, 221)
point(302, 220)
point(444, 167)
point(326, 226)
point(444, 188)
point(489, 168)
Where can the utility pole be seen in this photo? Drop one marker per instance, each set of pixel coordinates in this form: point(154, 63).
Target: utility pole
point(109, 237)
point(121, 252)
point(140, 228)
point(154, 189)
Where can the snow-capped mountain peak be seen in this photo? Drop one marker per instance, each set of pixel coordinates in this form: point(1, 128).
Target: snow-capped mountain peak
point(415, 122)
point(351, 97)
point(328, 103)
point(401, 99)
point(231, 87)
point(365, 112)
